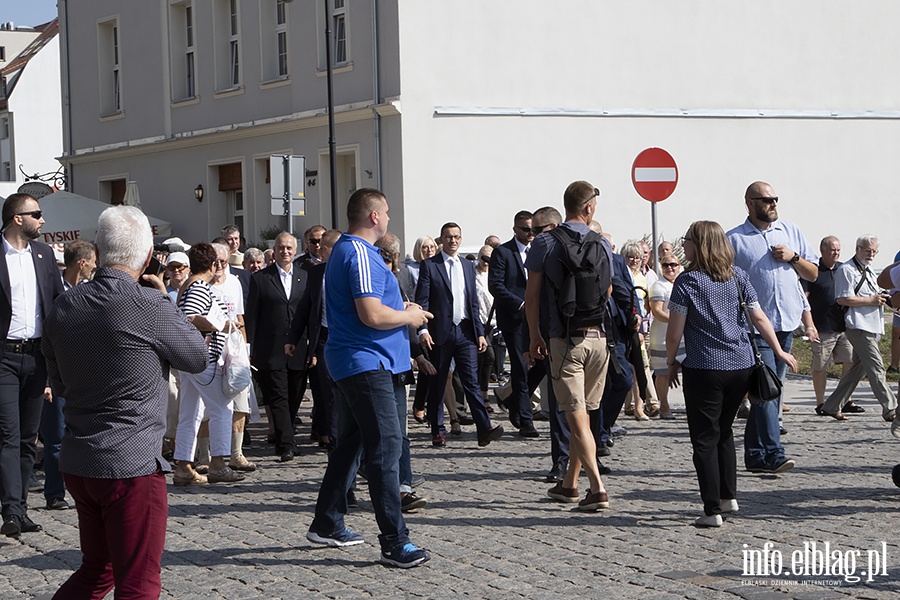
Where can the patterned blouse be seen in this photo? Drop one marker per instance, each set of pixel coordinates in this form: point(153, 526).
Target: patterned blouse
point(197, 300)
point(716, 334)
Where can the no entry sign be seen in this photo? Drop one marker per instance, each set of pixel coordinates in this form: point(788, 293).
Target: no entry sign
point(654, 174)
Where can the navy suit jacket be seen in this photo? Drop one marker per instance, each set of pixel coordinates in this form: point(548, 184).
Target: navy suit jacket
point(506, 282)
point(433, 293)
point(49, 284)
point(268, 316)
point(243, 276)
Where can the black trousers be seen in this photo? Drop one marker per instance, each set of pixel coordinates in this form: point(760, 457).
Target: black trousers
point(711, 399)
point(282, 391)
point(22, 381)
point(519, 373)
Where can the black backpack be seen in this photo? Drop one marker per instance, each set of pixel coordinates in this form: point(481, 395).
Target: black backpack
point(584, 290)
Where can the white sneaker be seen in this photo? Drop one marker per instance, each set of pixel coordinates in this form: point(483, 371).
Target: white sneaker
point(729, 506)
point(709, 521)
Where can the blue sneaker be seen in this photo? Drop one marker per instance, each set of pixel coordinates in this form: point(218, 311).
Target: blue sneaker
point(404, 556)
point(342, 538)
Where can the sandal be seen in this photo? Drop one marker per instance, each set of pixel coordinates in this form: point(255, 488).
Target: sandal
point(226, 475)
point(193, 478)
point(240, 463)
point(455, 429)
point(853, 407)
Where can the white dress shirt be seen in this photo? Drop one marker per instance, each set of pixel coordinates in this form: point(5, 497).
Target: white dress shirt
point(287, 279)
point(25, 323)
point(457, 287)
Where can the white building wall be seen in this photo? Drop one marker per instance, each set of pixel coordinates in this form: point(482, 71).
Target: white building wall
point(36, 118)
point(647, 59)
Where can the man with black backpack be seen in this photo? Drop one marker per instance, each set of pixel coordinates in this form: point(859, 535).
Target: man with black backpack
point(569, 278)
point(856, 288)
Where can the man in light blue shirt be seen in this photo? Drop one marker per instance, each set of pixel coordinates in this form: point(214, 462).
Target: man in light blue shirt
point(776, 255)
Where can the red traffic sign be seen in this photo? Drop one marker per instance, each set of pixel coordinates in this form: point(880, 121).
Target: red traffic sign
point(654, 174)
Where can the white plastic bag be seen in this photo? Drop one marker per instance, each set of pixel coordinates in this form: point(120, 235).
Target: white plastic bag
point(236, 378)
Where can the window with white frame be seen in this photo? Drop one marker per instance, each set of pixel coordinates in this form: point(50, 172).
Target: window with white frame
point(281, 35)
point(227, 26)
point(234, 46)
point(189, 73)
point(182, 51)
point(109, 66)
point(273, 35)
point(339, 32)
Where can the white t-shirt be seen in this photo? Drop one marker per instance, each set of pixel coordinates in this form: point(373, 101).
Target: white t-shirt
point(231, 294)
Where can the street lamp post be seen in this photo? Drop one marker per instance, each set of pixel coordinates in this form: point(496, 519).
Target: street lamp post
point(332, 158)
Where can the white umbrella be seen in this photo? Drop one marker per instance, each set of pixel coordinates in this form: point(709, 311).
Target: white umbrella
point(132, 195)
point(72, 217)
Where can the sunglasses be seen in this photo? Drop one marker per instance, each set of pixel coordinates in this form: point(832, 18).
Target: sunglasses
point(526, 229)
point(315, 241)
point(539, 228)
point(671, 265)
point(767, 199)
point(176, 268)
point(34, 214)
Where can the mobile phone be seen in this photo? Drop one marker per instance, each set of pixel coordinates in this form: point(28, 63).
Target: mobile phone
point(154, 268)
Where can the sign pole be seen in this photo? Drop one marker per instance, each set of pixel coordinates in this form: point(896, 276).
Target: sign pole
point(286, 161)
point(654, 256)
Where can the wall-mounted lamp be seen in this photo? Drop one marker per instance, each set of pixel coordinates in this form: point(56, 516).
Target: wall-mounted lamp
point(198, 193)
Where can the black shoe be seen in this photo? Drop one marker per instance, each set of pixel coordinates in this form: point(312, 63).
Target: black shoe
point(558, 471)
point(411, 502)
point(610, 443)
point(604, 470)
point(466, 420)
point(490, 436)
point(528, 431)
point(417, 480)
point(895, 475)
point(853, 407)
point(782, 430)
point(12, 526)
point(286, 456)
point(57, 504)
point(603, 450)
point(513, 413)
point(541, 415)
point(29, 526)
point(785, 465)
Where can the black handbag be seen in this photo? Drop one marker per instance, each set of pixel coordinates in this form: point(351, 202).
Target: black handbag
point(764, 384)
point(835, 314)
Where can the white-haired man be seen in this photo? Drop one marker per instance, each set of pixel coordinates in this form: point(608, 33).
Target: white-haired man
point(857, 289)
point(109, 344)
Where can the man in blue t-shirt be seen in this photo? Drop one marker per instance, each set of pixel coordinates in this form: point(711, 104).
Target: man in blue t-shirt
point(367, 346)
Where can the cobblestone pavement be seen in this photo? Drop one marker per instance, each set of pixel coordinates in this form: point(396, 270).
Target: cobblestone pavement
point(493, 533)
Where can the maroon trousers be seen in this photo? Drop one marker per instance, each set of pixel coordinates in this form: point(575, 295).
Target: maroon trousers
point(122, 525)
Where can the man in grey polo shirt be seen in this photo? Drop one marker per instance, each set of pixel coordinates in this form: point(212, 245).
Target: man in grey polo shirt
point(865, 326)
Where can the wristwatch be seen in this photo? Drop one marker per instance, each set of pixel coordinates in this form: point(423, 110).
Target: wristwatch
point(794, 259)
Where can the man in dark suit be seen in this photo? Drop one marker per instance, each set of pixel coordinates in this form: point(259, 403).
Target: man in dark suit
point(446, 288)
point(275, 295)
point(31, 282)
point(506, 282)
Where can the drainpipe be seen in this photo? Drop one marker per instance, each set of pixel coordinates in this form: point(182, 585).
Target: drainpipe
point(67, 98)
point(376, 94)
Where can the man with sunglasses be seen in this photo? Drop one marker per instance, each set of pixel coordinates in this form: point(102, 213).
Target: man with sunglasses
point(313, 239)
point(506, 282)
point(776, 255)
point(30, 282)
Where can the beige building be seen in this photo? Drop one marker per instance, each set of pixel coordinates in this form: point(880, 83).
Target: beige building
point(470, 111)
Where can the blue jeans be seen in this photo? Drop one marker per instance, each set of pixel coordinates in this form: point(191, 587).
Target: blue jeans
point(405, 464)
point(366, 411)
point(762, 437)
point(52, 428)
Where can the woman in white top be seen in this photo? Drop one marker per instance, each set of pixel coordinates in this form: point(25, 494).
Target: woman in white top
point(659, 306)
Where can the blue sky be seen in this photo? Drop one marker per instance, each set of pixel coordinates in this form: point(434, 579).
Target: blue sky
point(27, 12)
